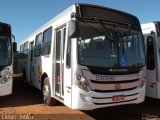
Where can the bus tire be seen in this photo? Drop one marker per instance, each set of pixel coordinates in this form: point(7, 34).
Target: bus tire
point(24, 78)
point(46, 91)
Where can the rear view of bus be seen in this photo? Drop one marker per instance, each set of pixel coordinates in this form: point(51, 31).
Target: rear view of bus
point(6, 79)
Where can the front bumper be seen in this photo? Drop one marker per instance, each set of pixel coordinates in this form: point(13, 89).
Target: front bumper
point(93, 100)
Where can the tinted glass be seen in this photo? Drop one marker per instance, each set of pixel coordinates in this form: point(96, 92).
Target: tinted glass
point(5, 51)
point(110, 46)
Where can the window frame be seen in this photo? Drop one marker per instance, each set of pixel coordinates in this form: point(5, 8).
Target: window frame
point(38, 46)
point(46, 45)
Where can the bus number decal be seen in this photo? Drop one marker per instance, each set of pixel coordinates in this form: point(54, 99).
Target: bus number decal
point(105, 78)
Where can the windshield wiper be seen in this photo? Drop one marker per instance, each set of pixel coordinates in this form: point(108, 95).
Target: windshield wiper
point(128, 31)
point(110, 36)
point(107, 35)
point(125, 38)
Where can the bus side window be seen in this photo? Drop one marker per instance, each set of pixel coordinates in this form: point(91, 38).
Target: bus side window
point(46, 43)
point(24, 50)
point(150, 53)
point(68, 55)
point(21, 48)
point(37, 47)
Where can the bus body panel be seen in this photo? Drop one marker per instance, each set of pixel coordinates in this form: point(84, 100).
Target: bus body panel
point(151, 86)
point(67, 77)
point(45, 64)
point(68, 87)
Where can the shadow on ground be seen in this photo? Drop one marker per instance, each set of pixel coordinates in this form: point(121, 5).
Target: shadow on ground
point(22, 95)
point(148, 109)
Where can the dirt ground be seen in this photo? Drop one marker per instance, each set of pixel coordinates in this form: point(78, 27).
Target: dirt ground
point(26, 103)
point(27, 100)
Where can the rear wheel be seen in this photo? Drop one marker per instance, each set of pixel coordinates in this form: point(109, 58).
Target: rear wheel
point(48, 100)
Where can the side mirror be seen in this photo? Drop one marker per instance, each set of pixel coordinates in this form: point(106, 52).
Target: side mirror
point(72, 29)
point(150, 53)
point(14, 47)
point(149, 39)
point(13, 38)
point(14, 44)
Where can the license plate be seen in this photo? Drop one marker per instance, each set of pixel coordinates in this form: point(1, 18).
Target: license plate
point(118, 97)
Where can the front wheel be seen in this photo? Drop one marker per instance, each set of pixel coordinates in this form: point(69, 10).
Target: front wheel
point(48, 100)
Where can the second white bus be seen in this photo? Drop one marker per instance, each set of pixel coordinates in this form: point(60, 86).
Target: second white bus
point(7, 47)
point(87, 57)
point(151, 33)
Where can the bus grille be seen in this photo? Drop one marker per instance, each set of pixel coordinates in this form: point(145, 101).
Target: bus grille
point(114, 86)
point(115, 90)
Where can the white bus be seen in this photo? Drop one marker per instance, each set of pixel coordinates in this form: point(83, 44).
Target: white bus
point(87, 57)
point(6, 62)
point(151, 33)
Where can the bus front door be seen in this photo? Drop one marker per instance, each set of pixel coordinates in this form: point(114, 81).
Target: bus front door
point(59, 74)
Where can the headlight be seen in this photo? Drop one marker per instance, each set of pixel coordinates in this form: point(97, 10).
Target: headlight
point(5, 71)
point(142, 77)
point(5, 75)
point(82, 83)
point(142, 73)
point(4, 80)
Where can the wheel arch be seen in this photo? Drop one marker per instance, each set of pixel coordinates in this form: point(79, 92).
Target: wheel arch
point(44, 75)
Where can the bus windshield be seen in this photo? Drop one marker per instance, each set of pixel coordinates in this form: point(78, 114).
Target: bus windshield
point(111, 46)
point(5, 51)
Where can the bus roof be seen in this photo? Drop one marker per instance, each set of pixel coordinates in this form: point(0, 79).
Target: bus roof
point(106, 8)
point(2, 23)
point(72, 9)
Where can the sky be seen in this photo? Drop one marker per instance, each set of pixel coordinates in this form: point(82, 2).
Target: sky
point(25, 16)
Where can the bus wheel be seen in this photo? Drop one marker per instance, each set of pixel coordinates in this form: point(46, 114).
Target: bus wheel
point(48, 100)
point(24, 78)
